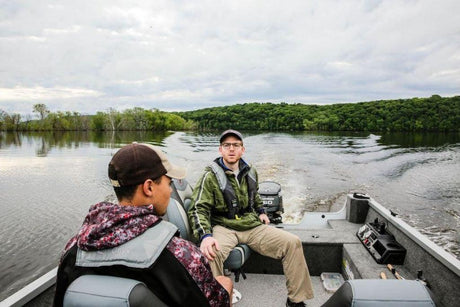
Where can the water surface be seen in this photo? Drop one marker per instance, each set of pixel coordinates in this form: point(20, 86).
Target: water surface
point(48, 181)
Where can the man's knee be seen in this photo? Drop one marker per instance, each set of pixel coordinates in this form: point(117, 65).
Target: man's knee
point(294, 242)
point(217, 264)
point(220, 256)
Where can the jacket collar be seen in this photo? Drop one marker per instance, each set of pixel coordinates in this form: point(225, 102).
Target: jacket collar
point(243, 166)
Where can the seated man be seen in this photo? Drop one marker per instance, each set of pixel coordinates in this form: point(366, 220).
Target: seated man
point(222, 217)
point(173, 269)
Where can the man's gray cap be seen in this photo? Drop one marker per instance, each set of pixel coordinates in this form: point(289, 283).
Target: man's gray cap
point(230, 132)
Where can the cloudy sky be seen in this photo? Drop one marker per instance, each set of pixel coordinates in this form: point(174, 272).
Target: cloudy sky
point(88, 56)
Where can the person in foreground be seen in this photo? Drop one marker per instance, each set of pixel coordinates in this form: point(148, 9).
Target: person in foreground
point(173, 269)
point(221, 218)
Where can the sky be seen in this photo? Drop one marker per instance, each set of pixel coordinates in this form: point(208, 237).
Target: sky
point(89, 56)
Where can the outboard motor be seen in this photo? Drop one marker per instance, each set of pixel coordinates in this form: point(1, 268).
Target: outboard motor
point(270, 193)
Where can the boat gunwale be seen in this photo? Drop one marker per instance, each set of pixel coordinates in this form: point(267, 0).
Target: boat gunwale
point(423, 241)
point(32, 290)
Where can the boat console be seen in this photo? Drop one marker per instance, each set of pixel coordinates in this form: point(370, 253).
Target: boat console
point(380, 243)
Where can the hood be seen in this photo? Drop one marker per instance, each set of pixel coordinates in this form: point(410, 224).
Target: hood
point(108, 225)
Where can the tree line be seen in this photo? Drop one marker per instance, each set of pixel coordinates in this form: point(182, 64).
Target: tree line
point(435, 113)
point(136, 119)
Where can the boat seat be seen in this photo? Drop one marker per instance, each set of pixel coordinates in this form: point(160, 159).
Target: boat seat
point(103, 290)
point(381, 293)
point(177, 214)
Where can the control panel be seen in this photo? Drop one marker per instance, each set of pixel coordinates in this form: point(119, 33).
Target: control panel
point(380, 243)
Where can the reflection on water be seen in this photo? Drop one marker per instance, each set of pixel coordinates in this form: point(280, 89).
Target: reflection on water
point(414, 140)
point(72, 139)
point(48, 181)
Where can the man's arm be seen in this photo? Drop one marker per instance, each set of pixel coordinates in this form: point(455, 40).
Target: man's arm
point(258, 205)
point(199, 215)
point(199, 212)
point(263, 217)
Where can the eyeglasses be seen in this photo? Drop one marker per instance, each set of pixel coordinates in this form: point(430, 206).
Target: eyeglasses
point(235, 145)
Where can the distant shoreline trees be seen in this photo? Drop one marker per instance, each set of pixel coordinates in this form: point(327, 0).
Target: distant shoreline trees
point(136, 119)
point(403, 115)
point(434, 114)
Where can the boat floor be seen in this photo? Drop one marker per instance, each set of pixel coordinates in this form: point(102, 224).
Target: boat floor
point(270, 290)
point(257, 290)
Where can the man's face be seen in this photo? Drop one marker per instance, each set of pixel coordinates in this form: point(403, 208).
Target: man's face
point(231, 149)
point(161, 194)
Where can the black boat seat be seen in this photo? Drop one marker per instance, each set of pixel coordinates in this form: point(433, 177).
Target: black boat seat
point(176, 214)
point(381, 293)
point(102, 290)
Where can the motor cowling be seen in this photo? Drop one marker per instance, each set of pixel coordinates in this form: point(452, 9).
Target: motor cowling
point(270, 193)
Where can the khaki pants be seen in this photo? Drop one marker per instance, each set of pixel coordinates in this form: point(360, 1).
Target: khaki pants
point(271, 242)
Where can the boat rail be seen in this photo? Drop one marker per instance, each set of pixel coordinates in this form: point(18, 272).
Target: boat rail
point(434, 250)
point(32, 290)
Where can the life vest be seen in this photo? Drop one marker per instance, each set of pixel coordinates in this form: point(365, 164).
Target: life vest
point(229, 193)
point(136, 253)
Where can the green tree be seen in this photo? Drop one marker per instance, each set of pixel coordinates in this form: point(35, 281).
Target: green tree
point(114, 118)
point(98, 121)
point(41, 109)
point(417, 114)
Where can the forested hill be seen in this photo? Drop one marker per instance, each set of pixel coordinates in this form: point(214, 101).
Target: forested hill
point(417, 114)
point(437, 114)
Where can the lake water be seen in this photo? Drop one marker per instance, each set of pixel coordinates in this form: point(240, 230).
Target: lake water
point(48, 181)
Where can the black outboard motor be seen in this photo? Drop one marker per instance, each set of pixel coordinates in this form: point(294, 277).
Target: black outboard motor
point(270, 192)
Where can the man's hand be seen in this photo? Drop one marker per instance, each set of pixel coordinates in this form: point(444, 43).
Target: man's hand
point(207, 247)
point(264, 219)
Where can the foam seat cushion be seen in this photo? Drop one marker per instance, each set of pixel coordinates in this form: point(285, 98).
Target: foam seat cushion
point(381, 293)
point(101, 290)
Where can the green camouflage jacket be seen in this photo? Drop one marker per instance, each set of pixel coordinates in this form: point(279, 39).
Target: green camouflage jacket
point(208, 207)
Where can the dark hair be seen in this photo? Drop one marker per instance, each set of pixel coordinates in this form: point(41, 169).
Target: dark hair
point(128, 191)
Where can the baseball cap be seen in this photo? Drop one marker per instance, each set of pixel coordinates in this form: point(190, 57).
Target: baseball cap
point(137, 162)
point(230, 132)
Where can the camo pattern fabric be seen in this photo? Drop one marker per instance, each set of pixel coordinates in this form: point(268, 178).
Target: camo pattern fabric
point(198, 267)
point(109, 225)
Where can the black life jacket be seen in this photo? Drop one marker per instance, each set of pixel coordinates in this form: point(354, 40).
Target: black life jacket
point(229, 193)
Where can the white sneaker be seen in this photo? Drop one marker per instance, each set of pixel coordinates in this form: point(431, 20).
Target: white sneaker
point(236, 296)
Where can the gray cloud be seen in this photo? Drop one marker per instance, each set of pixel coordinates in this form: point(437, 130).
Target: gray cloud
point(88, 56)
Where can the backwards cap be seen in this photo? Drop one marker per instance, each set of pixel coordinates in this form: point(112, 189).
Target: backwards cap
point(137, 162)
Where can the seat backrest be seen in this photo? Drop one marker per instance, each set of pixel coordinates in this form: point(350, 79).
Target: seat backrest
point(182, 191)
point(103, 290)
point(176, 214)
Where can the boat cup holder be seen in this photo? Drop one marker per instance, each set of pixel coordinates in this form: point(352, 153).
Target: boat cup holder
point(382, 245)
point(357, 207)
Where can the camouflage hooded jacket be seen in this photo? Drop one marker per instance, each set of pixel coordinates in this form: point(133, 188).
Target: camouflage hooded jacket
point(208, 207)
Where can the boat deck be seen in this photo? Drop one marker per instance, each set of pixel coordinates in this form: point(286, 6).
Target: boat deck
point(330, 244)
point(270, 290)
point(257, 290)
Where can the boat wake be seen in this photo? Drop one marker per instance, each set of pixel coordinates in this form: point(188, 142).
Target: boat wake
point(447, 238)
